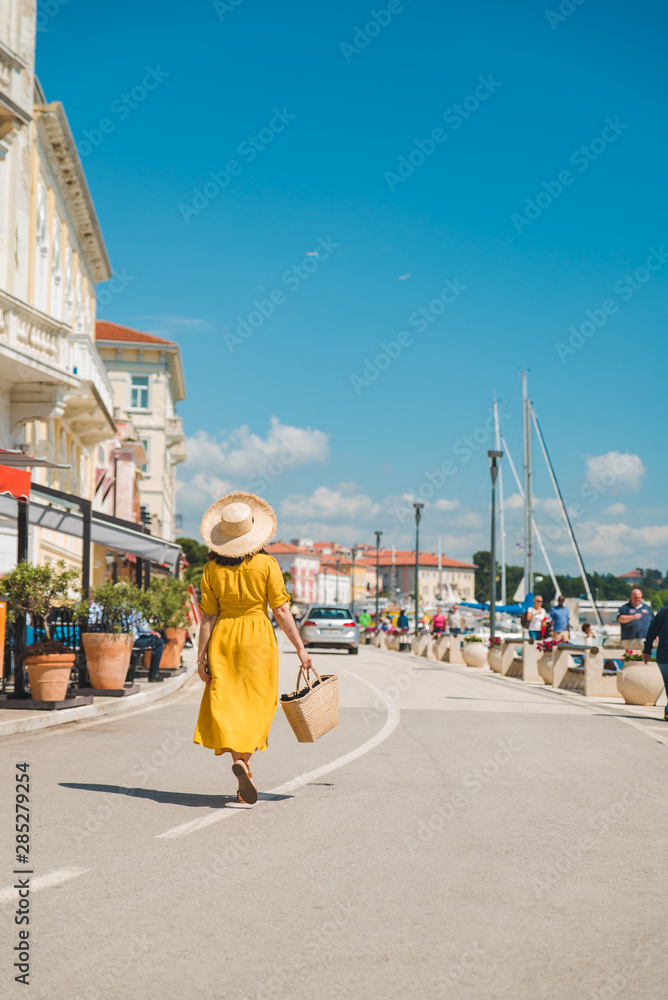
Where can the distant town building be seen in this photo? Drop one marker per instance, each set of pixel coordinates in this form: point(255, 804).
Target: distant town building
point(147, 381)
point(633, 577)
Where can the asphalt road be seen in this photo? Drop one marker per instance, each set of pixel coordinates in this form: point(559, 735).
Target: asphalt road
point(460, 835)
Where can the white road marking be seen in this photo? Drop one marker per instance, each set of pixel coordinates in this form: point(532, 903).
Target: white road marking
point(41, 882)
point(391, 723)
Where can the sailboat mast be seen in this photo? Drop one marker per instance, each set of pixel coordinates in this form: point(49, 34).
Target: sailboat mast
point(528, 489)
point(564, 512)
point(502, 516)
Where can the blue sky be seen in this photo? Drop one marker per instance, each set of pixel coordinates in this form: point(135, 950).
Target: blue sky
point(301, 118)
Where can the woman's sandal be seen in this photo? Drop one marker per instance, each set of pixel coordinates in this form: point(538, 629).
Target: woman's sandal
point(247, 791)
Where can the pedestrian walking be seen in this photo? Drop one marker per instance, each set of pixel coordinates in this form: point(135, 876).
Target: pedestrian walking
point(634, 617)
point(237, 657)
point(658, 629)
point(402, 621)
point(536, 618)
point(454, 621)
point(365, 620)
point(560, 616)
point(437, 626)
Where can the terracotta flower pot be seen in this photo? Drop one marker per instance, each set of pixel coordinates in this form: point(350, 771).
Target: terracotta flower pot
point(640, 683)
point(176, 640)
point(49, 675)
point(494, 658)
point(108, 658)
point(474, 654)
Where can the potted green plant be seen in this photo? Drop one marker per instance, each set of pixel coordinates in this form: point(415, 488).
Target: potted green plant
point(168, 604)
point(115, 607)
point(35, 591)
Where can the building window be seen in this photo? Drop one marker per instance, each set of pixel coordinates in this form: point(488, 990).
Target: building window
point(145, 442)
point(139, 392)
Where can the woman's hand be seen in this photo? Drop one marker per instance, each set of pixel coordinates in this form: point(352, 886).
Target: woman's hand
point(305, 660)
point(203, 671)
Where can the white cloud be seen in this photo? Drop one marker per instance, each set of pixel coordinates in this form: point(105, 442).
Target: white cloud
point(444, 504)
point(241, 454)
point(616, 510)
point(240, 460)
point(615, 472)
point(330, 505)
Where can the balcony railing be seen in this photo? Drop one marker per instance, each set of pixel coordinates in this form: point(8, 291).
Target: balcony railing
point(84, 361)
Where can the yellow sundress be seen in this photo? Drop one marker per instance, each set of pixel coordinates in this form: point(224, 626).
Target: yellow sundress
point(239, 703)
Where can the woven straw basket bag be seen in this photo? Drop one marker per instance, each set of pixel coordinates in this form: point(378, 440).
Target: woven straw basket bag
point(313, 710)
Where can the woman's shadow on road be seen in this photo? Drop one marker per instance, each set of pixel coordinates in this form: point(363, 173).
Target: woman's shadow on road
point(192, 800)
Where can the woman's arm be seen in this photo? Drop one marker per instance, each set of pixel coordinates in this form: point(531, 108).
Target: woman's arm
point(205, 630)
point(283, 616)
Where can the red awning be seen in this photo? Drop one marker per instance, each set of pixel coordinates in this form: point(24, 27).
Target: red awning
point(15, 482)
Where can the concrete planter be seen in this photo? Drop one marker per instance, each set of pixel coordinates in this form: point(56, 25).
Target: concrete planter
point(108, 658)
point(404, 644)
point(442, 648)
point(171, 657)
point(494, 658)
point(379, 640)
point(545, 667)
point(49, 675)
point(474, 654)
point(640, 683)
point(420, 645)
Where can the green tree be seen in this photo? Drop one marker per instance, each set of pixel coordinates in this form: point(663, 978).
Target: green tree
point(36, 590)
point(195, 554)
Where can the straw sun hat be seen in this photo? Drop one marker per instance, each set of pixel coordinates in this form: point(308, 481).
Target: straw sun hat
point(238, 524)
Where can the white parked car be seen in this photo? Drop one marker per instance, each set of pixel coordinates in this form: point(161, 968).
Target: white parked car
point(327, 626)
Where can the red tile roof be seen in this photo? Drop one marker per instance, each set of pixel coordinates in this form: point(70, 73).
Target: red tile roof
point(634, 574)
point(114, 331)
point(287, 548)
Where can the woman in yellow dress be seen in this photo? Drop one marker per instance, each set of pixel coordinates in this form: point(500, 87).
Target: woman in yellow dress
point(237, 655)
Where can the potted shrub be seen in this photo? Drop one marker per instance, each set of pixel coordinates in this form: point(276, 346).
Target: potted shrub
point(474, 652)
point(35, 591)
point(494, 654)
point(639, 683)
point(109, 641)
point(168, 603)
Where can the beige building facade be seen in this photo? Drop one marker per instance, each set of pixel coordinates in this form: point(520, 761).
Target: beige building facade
point(55, 395)
point(146, 375)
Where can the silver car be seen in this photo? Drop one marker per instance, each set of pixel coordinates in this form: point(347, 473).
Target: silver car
point(330, 627)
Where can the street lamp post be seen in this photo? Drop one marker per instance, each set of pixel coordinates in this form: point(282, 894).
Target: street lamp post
point(418, 514)
point(494, 457)
point(353, 552)
point(378, 537)
point(338, 570)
